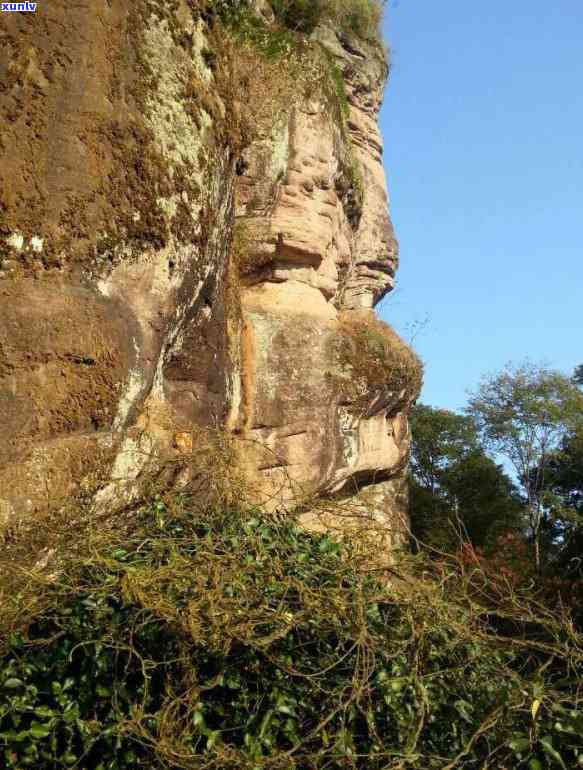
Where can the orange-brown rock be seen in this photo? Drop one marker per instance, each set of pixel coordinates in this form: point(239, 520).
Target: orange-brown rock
point(186, 229)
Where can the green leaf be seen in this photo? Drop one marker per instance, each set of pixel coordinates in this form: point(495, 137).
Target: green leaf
point(44, 711)
point(519, 745)
point(550, 750)
point(119, 553)
point(212, 739)
point(39, 731)
point(13, 683)
point(70, 713)
point(463, 707)
point(68, 683)
point(198, 719)
point(535, 764)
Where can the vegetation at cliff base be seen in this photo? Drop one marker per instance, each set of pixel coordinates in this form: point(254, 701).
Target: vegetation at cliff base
point(180, 638)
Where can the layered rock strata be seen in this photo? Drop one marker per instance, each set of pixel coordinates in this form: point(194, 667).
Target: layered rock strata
point(188, 227)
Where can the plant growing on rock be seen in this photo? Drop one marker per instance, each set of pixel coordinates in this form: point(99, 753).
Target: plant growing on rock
point(361, 17)
point(377, 360)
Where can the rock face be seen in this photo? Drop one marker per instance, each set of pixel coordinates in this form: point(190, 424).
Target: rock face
point(190, 231)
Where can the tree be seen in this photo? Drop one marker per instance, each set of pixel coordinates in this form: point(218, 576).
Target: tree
point(455, 489)
point(487, 502)
point(566, 472)
point(565, 480)
point(524, 413)
point(578, 375)
point(439, 438)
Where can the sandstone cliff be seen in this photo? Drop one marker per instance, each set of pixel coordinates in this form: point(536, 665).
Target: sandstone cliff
point(193, 235)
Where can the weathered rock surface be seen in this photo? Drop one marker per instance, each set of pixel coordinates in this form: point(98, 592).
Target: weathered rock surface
point(174, 261)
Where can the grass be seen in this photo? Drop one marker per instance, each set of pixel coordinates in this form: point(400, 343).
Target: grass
point(378, 359)
point(360, 17)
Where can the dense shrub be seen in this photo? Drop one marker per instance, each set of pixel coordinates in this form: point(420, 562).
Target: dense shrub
point(376, 360)
point(361, 17)
point(299, 15)
point(227, 641)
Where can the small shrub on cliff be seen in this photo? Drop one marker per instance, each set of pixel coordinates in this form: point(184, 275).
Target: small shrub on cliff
point(271, 41)
point(378, 360)
point(362, 17)
point(299, 15)
point(246, 246)
point(359, 17)
point(350, 189)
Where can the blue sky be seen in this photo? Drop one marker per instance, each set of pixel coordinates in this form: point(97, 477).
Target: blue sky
point(483, 131)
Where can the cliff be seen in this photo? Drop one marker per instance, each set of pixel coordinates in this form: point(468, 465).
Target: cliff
point(193, 235)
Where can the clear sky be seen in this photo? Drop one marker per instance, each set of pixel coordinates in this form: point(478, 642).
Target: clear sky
point(483, 131)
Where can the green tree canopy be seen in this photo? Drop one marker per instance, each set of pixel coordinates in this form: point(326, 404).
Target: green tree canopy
point(455, 489)
point(525, 413)
point(565, 482)
point(439, 438)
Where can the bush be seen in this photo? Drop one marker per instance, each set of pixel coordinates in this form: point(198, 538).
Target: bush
point(362, 17)
point(359, 17)
point(299, 15)
point(223, 640)
point(377, 360)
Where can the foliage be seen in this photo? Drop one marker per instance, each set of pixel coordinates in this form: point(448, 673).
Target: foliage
point(309, 66)
point(246, 245)
point(222, 640)
point(338, 84)
point(509, 559)
point(361, 17)
point(378, 362)
point(270, 41)
point(565, 476)
point(456, 491)
point(486, 501)
point(440, 437)
point(524, 413)
point(565, 499)
point(350, 188)
point(299, 15)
